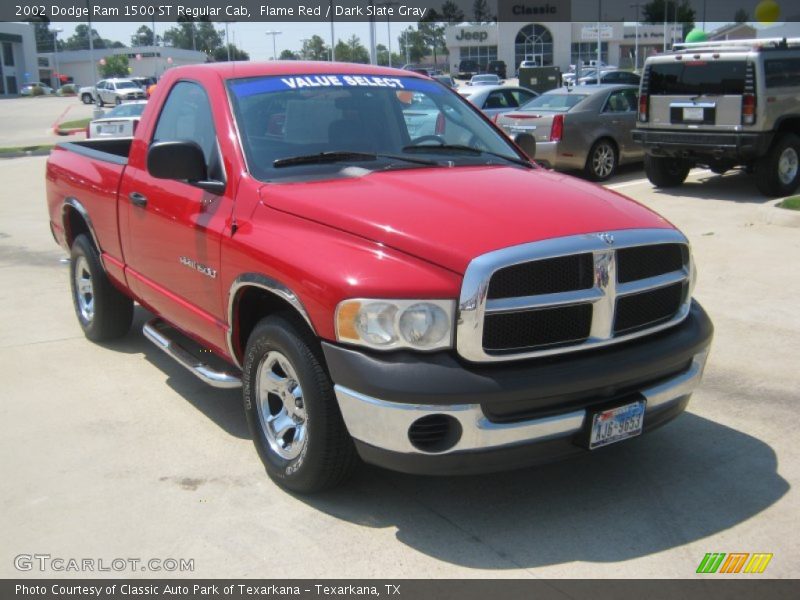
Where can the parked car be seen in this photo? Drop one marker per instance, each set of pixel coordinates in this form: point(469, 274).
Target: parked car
point(497, 67)
point(626, 77)
point(120, 121)
point(570, 78)
point(583, 127)
point(723, 104)
point(446, 80)
point(488, 79)
point(112, 91)
point(467, 68)
point(497, 99)
point(28, 89)
point(430, 304)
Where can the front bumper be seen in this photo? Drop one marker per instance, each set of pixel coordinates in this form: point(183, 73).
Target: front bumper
point(703, 145)
point(511, 416)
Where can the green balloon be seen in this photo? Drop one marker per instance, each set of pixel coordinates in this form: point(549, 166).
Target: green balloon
point(696, 35)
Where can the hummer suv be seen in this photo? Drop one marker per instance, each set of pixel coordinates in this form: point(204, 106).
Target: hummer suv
point(721, 105)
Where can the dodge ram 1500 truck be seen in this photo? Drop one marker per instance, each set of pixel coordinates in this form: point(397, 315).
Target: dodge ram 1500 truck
point(432, 303)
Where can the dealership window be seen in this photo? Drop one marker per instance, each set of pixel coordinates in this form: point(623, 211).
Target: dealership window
point(8, 54)
point(534, 42)
point(481, 54)
point(586, 51)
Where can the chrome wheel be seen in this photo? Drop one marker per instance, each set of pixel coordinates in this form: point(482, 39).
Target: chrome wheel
point(787, 166)
point(603, 160)
point(281, 408)
point(84, 289)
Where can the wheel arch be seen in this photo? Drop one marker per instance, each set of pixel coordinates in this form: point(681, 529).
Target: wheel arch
point(252, 297)
point(788, 123)
point(76, 221)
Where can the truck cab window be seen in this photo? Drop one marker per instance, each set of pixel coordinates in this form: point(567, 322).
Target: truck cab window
point(187, 116)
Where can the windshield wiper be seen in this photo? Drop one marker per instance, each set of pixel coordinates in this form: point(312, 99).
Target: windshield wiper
point(344, 155)
point(469, 149)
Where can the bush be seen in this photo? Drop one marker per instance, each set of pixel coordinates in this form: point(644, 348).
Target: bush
point(68, 89)
point(37, 91)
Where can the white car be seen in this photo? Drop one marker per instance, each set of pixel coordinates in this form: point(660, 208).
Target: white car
point(488, 79)
point(111, 91)
point(119, 122)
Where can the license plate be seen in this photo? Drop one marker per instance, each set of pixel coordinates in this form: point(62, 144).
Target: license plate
point(617, 424)
point(693, 113)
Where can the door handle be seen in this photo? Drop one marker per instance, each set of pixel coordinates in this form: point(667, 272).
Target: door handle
point(138, 199)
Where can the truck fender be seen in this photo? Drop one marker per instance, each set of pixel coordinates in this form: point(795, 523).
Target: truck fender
point(70, 207)
point(285, 296)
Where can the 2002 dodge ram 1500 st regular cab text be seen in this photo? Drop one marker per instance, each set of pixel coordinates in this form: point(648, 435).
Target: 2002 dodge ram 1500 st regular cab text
point(381, 281)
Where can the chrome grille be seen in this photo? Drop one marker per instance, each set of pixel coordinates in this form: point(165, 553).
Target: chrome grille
point(573, 293)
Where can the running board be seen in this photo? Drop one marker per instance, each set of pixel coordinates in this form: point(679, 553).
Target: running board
point(157, 331)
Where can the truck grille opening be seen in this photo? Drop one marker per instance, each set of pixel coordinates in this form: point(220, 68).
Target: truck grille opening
point(434, 433)
point(537, 328)
point(641, 262)
point(646, 309)
point(562, 274)
point(538, 300)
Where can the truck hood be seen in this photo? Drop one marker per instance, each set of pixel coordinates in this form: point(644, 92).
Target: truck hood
point(449, 216)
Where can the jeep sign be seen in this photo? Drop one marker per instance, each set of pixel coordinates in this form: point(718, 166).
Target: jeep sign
point(471, 36)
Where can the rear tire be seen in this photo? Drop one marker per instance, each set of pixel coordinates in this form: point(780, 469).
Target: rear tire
point(86, 99)
point(292, 410)
point(601, 164)
point(104, 313)
point(665, 172)
point(778, 173)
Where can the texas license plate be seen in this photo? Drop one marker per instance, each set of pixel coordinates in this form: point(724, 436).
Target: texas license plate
point(617, 424)
point(693, 113)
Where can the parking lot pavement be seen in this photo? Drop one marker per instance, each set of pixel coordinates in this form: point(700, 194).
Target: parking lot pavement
point(115, 451)
point(30, 121)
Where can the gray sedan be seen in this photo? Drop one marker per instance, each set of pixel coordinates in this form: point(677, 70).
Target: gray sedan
point(584, 127)
point(497, 99)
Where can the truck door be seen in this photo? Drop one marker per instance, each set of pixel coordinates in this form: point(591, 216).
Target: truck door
point(172, 245)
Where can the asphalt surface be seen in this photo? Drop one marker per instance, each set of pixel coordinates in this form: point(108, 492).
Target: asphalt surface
point(29, 121)
point(113, 450)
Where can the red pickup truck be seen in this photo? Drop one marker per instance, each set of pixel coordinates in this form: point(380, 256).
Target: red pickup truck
point(382, 272)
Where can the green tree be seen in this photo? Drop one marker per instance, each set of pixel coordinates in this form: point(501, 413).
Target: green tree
point(221, 53)
point(116, 65)
point(358, 53)
point(413, 46)
point(288, 55)
point(194, 35)
point(452, 13)
point(653, 12)
point(433, 37)
point(480, 12)
point(80, 39)
point(383, 56)
point(342, 51)
point(143, 37)
point(44, 35)
point(315, 49)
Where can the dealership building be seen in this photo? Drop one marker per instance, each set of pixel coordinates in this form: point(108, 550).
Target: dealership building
point(17, 57)
point(558, 44)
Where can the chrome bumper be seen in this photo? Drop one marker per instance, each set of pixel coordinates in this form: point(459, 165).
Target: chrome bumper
point(385, 425)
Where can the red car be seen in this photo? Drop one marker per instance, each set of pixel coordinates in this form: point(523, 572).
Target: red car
point(431, 304)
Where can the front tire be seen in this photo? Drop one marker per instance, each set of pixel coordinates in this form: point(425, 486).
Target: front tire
point(778, 173)
point(117, 101)
point(665, 172)
point(104, 313)
point(99, 102)
point(602, 160)
point(291, 408)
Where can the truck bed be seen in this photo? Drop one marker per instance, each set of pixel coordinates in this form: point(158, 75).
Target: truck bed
point(114, 150)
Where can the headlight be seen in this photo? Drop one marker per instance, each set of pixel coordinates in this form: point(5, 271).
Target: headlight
point(393, 324)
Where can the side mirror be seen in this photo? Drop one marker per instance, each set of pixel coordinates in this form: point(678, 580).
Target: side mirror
point(526, 142)
point(182, 160)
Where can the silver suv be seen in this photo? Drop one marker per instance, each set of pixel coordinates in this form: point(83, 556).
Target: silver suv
point(723, 104)
point(117, 91)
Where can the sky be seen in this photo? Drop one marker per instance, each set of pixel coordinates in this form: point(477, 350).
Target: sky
point(250, 36)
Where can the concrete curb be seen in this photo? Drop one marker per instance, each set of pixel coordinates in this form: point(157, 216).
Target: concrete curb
point(58, 131)
point(22, 153)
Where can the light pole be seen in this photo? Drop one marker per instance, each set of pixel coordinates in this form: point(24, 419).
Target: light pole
point(274, 34)
point(636, 38)
point(227, 39)
point(55, 56)
point(333, 42)
point(388, 26)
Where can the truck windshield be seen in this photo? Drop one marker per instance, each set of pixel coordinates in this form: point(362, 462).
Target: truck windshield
point(697, 78)
point(373, 122)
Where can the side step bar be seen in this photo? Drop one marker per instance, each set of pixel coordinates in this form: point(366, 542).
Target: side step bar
point(158, 331)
